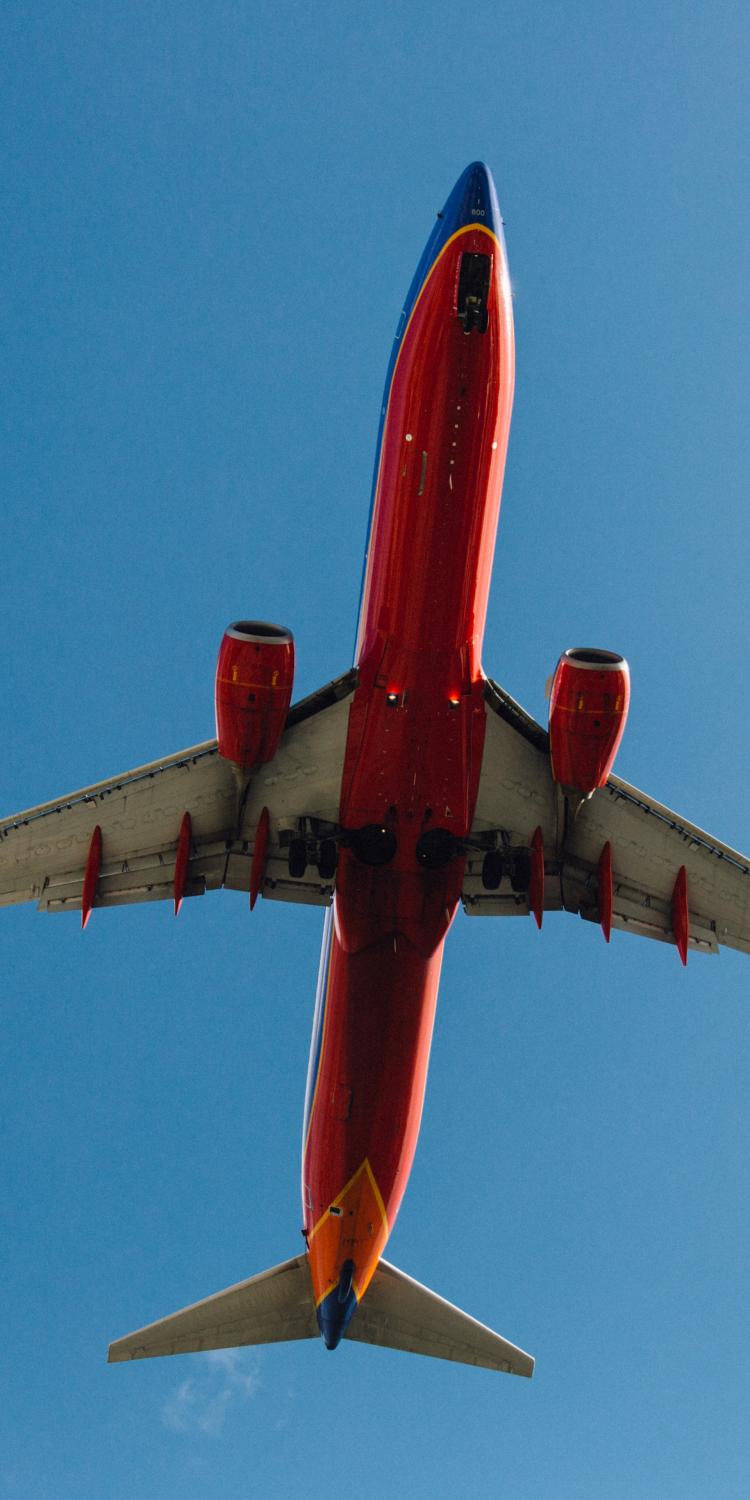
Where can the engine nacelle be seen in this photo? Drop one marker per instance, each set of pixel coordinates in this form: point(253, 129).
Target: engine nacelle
point(588, 708)
point(254, 677)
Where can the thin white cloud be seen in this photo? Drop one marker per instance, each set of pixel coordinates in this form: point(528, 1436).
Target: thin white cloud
point(223, 1378)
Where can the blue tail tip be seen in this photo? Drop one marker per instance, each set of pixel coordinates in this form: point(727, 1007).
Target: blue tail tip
point(336, 1310)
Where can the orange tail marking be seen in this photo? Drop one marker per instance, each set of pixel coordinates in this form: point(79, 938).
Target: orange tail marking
point(354, 1227)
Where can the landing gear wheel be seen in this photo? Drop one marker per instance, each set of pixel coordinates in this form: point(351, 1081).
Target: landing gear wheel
point(493, 869)
point(520, 872)
point(327, 859)
point(297, 858)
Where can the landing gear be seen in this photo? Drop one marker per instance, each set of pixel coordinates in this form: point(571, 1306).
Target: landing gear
point(475, 317)
point(297, 858)
point(309, 846)
point(493, 869)
point(473, 292)
point(520, 871)
point(327, 859)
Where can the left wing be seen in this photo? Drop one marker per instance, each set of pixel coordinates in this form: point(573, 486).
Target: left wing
point(44, 851)
point(649, 846)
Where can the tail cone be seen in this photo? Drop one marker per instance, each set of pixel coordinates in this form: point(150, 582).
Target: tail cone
point(335, 1311)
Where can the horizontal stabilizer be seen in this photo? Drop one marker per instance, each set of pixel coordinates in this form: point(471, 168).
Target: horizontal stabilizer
point(266, 1309)
point(399, 1313)
point(395, 1312)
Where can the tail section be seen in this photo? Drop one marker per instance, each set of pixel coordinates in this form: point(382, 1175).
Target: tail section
point(267, 1309)
point(402, 1314)
point(336, 1310)
point(396, 1312)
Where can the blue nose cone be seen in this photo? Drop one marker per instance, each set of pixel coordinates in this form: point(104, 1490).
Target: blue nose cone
point(474, 201)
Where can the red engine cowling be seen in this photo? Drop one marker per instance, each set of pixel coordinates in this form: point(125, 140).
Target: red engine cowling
point(254, 677)
point(588, 708)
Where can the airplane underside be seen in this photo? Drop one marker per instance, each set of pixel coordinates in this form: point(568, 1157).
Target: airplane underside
point(414, 745)
point(411, 766)
point(410, 783)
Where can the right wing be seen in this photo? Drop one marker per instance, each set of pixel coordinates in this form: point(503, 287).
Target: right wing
point(44, 850)
point(649, 845)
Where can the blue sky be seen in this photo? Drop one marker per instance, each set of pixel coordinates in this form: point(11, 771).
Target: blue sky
point(212, 215)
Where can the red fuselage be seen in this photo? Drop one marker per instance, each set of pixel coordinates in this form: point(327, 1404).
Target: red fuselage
point(415, 739)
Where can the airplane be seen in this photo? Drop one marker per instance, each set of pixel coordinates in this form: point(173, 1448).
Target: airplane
point(409, 784)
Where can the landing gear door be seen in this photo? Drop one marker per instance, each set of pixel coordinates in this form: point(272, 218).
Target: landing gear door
point(473, 290)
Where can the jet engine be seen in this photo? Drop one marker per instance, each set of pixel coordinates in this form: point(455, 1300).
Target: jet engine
point(254, 677)
point(588, 708)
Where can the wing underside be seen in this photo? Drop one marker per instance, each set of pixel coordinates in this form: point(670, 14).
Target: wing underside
point(44, 851)
point(649, 845)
